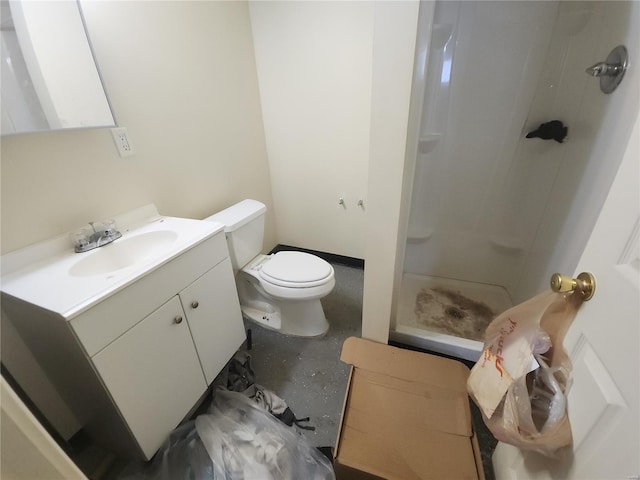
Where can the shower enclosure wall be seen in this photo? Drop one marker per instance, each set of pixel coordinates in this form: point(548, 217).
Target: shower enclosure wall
point(487, 204)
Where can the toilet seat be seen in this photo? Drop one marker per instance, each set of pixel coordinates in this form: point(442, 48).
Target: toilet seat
point(303, 284)
point(296, 270)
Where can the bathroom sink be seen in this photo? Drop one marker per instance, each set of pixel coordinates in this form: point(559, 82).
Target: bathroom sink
point(51, 275)
point(123, 253)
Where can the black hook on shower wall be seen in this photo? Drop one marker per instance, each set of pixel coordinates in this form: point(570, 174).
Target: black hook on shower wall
point(553, 130)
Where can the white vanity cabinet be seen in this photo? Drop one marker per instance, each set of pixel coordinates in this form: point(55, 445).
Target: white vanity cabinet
point(153, 374)
point(136, 362)
point(157, 370)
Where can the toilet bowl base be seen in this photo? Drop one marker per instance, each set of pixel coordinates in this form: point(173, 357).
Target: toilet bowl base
point(270, 320)
point(289, 316)
point(295, 319)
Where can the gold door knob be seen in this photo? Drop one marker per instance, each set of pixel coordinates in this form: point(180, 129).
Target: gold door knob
point(586, 283)
point(562, 283)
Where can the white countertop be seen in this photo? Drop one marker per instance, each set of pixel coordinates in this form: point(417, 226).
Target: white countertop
point(40, 274)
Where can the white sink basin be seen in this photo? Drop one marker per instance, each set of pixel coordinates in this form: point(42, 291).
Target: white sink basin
point(51, 275)
point(123, 253)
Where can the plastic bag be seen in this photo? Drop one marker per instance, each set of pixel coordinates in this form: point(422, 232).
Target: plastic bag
point(246, 442)
point(182, 457)
point(236, 440)
point(521, 381)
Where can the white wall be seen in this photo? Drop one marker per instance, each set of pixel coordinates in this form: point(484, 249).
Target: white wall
point(395, 30)
point(314, 69)
point(181, 77)
point(335, 80)
point(27, 450)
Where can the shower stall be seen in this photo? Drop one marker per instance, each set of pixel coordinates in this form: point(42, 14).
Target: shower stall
point(492, 213)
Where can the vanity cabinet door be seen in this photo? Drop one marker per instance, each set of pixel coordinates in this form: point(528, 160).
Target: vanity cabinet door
point(214, 316)
point(153, 375)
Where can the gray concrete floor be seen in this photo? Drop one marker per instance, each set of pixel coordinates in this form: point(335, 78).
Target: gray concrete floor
point(307, 372)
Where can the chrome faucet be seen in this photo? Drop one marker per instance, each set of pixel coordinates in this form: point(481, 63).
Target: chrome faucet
point(106, 234)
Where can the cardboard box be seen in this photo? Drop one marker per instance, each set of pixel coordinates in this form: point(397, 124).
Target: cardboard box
point(406, 416)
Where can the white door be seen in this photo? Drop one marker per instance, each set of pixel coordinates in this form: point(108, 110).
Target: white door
point(604, 345)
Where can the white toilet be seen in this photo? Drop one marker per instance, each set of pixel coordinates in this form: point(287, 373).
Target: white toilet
point(281, 291)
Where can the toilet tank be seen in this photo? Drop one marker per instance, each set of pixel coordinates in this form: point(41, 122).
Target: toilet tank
point(244, 229)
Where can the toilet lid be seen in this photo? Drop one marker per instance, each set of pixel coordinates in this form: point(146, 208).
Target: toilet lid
point(295, 269)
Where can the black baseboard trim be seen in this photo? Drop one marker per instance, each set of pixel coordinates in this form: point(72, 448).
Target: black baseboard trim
point(329, 257)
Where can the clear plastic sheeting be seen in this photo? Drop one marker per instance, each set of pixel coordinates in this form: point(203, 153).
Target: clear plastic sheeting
point(182, 457)
point(234, 440)
point(246, 442)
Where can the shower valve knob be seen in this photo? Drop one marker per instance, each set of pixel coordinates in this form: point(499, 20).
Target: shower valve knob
point(600, 69)
point(611, 71)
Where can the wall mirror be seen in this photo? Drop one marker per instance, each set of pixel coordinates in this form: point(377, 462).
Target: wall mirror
point(50, 80)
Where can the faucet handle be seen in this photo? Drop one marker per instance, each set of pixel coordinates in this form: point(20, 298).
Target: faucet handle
point(604, 69)
point(109, 227)
point(81, 239)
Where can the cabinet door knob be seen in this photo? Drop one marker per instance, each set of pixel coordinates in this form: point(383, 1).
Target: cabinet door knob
point(178, 319)
point(194, 304)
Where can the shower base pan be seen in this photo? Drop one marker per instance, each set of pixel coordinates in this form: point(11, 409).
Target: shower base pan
point(446, 316)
